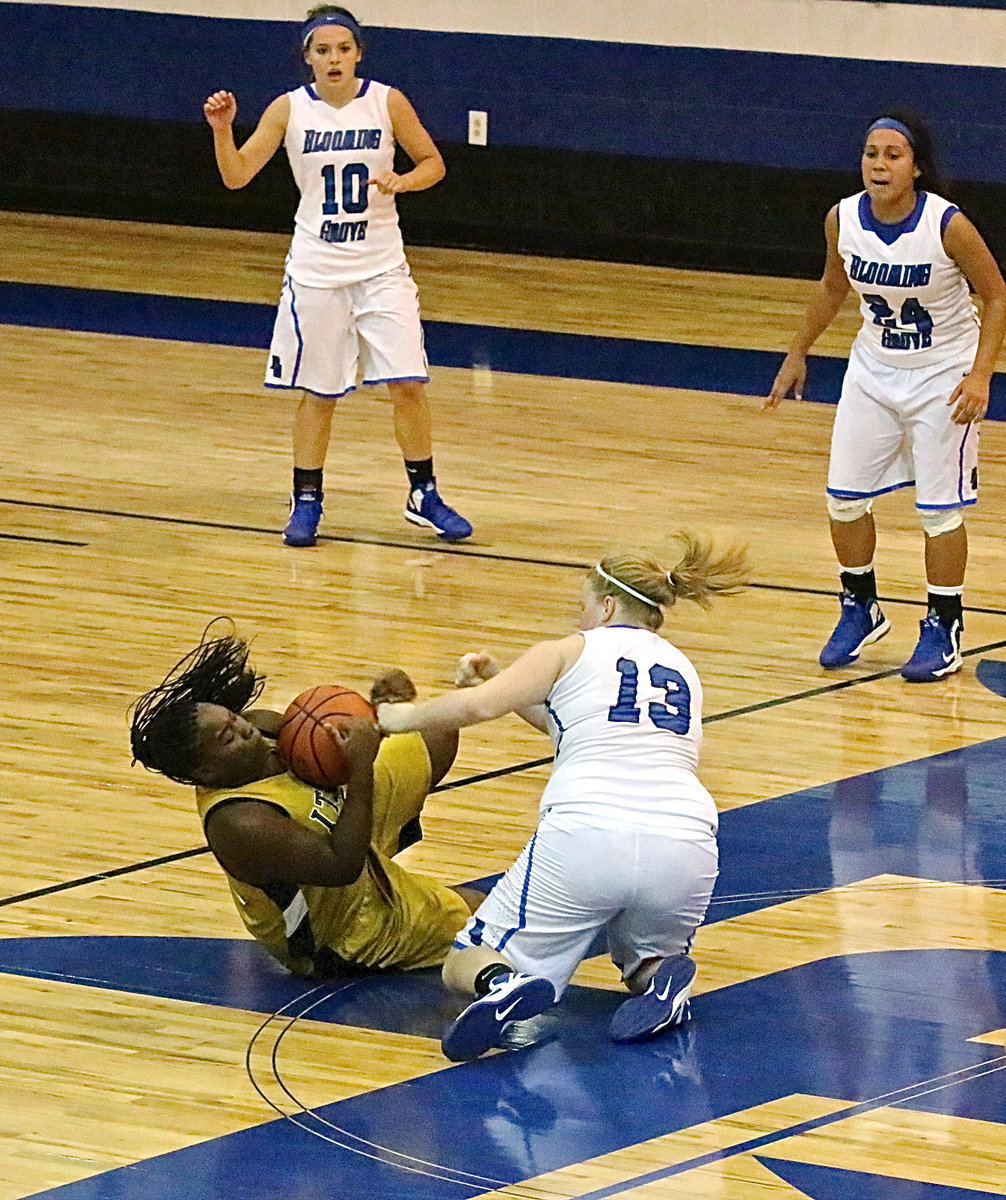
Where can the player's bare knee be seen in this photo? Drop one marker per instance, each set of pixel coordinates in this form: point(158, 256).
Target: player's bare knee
point(407, 391)
point(938, 521)
point(846, 510)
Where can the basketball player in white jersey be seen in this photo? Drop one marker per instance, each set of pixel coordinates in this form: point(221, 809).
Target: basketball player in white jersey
point(627, 837)
point(916, 386)
point(348, 298)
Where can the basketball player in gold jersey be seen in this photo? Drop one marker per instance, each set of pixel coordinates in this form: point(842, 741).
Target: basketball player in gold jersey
point(311, 871)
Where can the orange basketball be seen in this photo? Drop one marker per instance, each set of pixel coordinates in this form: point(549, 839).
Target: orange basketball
point(306, 741)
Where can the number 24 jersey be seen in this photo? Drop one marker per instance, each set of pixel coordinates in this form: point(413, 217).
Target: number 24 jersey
point(914, 298)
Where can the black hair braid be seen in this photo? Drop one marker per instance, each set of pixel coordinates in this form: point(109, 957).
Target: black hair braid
point(163, 724)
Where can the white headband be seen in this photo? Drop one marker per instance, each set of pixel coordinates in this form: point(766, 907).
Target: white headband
point(625, 587)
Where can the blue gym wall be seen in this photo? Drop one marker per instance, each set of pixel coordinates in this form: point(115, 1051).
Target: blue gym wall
point(598, 114)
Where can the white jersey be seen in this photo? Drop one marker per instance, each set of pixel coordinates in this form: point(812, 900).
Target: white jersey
point(345, 231)
point(915, 300)
point(626, 719)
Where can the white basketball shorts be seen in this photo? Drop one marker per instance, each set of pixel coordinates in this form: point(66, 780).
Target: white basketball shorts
point(648, 890)
point(324, 337)
point(893, 430)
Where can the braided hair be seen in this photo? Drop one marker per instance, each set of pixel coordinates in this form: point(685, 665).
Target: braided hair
point(163, 732)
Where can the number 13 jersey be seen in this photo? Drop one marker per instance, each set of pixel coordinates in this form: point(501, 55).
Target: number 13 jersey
point(914, 298)
point(345, 230)
point(626, 719)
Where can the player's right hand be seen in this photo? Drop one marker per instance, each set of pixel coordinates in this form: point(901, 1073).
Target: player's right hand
point(220, 109)
point(475, 668)
point(358, 739)
point(791, 378)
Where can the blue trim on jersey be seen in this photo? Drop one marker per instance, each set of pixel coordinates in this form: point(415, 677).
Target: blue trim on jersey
point(398, 379)
point(960, 464)
point(296, 329)
point(945, 219)
point(844, 495)
point(475, 934)
point(558, 724)
point(363, 90)
point(522, 911)
point(312, 93)
point(889, 234)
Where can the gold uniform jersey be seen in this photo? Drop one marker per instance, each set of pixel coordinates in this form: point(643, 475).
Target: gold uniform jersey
point(387, 918)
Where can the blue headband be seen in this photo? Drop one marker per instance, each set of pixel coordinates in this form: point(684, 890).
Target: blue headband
point(343, 19)
point(897, 126)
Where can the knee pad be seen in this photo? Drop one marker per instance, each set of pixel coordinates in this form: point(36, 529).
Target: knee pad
point(849, 510)
point(940, 520)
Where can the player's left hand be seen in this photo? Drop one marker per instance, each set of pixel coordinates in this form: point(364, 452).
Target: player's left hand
point(388, 183)
point(970, 399)
point(394, 718)
point(392, 687)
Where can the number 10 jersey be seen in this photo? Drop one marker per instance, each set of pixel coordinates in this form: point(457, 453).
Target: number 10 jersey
point(914, 298)
point(626, 719)
point(345, 230)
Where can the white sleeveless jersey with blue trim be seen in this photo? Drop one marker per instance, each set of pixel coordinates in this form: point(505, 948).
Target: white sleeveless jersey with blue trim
point(626, 719)
point(345, 231)
point(914, 298)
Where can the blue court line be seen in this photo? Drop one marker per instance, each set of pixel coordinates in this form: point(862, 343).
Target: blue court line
point(448, 343)
point(839, 1183)
point(902, 1096)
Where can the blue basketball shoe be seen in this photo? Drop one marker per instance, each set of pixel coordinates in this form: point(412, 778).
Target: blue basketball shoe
point(424, 507)
point(664, 1004)
point(938, 652)
point(305, 513)
point(483, 1024)
point(859, 624)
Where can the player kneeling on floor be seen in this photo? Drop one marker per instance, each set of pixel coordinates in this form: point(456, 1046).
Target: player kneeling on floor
point(626, 842)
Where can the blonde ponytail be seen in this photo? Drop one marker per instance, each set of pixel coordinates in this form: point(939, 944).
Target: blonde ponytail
point(644, 586)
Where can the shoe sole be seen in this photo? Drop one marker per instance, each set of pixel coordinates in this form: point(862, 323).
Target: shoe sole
point(423, 523)
point(934, 676)
point(873, 636)
point(642, 1017)
point(478, 1029)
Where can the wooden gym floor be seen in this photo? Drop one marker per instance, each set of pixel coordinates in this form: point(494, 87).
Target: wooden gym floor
point(850, 1024)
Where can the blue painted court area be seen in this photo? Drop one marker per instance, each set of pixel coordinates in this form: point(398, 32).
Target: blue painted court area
point(865, 1029)
point(448, 344)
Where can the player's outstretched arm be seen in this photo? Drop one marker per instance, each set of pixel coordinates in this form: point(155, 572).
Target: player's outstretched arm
point(239, 166)
point(525, 683)
point(479, 665)
point(824, 304)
